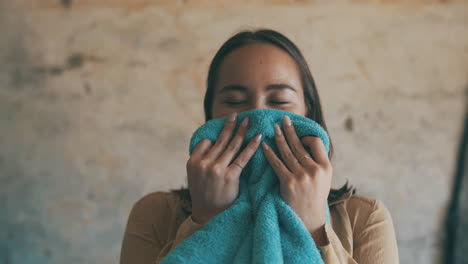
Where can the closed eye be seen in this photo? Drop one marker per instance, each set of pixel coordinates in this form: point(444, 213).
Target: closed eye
point(277, 102)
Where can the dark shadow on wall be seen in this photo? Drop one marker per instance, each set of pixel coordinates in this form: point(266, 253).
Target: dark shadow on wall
point(456, 225)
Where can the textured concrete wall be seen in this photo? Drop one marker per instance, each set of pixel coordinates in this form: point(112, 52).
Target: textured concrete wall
point(98, 100)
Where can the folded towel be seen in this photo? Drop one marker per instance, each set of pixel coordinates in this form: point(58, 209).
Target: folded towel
point(259, 227)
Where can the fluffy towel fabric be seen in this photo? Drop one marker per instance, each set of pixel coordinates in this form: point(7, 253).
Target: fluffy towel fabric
point(259, 227)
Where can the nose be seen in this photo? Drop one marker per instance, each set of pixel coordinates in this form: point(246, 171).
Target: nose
point(257, 104)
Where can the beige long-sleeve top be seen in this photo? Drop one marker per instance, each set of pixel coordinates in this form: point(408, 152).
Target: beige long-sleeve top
point(361, 230)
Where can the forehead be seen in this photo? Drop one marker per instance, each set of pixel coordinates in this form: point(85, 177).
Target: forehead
point(258, 64)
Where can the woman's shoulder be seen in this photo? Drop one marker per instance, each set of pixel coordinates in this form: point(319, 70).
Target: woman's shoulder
point(159, 202)
point(362, 210)
point(364, 203)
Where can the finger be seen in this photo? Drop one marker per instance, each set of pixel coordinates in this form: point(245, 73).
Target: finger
point(235, 144)
point(317, 148)
point(293, 140)
point(288, 157)
point(244, 157)
point(223, 138)
point(201, 148)
point(283, 173)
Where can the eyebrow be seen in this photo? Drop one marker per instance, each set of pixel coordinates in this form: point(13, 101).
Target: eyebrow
point(242, 88)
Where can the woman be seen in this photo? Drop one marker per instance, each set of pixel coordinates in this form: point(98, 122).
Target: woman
point(254, 70)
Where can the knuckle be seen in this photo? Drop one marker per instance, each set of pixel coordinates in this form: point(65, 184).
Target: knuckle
point(314, 167)
point(303, 176)
point(295, 148)
point(203, 165)
point(216, 170)
point(234, 144)
point(328, 167)
point(290, 156)
point(289, 184)
point(231, 147)
point(221, 141)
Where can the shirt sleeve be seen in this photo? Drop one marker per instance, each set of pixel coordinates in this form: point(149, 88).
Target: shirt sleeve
point(147, 238)
point(373, 239)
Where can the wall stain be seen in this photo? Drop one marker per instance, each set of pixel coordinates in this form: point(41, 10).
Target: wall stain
point(18, 61)
point(136, 63)
point(169, 43)
point(87, 88)
point(66, 3)
point(75, 61)
point(349, 124)
point(49, 70)
point(55, 70)
point(24, 75)
point(362, 68)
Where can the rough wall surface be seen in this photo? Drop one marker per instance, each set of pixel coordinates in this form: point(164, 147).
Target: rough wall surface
point(98, 101)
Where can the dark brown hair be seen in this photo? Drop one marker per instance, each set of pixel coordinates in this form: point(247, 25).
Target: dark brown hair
point(312, 99)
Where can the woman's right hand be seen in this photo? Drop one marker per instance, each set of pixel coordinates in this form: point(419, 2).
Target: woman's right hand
point(213, 171)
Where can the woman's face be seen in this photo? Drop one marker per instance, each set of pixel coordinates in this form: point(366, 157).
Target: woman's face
point(258, 76)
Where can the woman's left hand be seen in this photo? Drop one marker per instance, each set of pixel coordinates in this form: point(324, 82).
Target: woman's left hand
point(305, 180)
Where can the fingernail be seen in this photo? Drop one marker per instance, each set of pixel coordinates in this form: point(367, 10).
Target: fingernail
point(287, 120)
point(232, 117)
point(245, 122)
point(258, 137)
point(264, 145)
point(277, 130)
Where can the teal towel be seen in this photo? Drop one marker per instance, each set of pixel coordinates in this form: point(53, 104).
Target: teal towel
point(259, 227)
